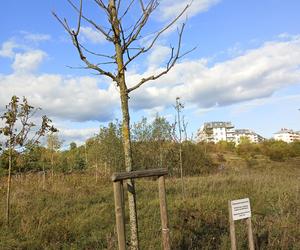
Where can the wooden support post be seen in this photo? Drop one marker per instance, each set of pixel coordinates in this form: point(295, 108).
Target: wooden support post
point(118, 179)
point(232, 228)
point(250, 234)
point(118, 195)
point(163, 213)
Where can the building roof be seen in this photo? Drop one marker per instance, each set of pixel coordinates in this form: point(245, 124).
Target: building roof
point(285, 130)
point(218, 125)
point(244, 131)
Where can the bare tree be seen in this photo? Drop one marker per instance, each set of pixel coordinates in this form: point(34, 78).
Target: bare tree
point(178, 107)
point(127, 47)
point(17, 127)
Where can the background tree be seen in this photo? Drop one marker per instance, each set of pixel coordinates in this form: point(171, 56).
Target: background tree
point(124, 36)
point(110, 147)
point(93, 147)
point(152, 142)
point(53, 145)
point(16, 129)
point(162, 135)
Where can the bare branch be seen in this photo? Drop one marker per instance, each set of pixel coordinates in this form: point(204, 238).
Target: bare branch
point(76, 67)
point(173, 59)
point(96, 26)
point(78, 46)
point(103, 63)
point(144, 50)
point(187, 52)
point(96, 54)
point(79, 18)
point(62, 23)
point(84, 59)
point(127, 9)
point(102, 5)
point(142, 5)
point(140, 24)
point(118, 5)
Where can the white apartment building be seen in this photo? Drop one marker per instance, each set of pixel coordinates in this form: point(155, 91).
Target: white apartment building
point(224, 131)
point(287, 135)
point(216, 131)
point(247, 133)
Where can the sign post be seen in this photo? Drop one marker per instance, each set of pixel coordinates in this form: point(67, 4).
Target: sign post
point(238, 210)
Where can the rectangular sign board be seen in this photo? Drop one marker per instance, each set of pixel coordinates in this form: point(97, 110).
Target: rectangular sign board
point(241, 209)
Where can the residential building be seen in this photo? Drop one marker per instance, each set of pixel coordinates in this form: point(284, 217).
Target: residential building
point(224, 131)
point(247, 133)
point(216, 131)
point(287, 135)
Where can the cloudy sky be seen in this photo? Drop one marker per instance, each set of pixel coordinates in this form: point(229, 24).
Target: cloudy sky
point(245, 69)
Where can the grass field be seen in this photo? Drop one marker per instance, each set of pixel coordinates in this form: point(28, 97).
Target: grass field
point(75, 212)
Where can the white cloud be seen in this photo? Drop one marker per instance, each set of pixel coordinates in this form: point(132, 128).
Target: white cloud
point(88, 34)
point(36, 37)
point(258, 73)
point(158, 55)
point(77, 135)
point(252, 104)
point(169, 9)
point(25, 59)
point(66, 98)
point(7, 49)
point(28, 61)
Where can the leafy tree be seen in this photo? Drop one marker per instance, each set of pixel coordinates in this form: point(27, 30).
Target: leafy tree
point(141, 131)
point(93, 149)
point(73, 146)
point(110, 143)
point(151, 142)
point(225, 146)
point(162, 130)
point(195, 160)
point(295, 148)
point(16, 130)
point(80, 163)
point(53, 144)
point(276, 150)
point(33, 159)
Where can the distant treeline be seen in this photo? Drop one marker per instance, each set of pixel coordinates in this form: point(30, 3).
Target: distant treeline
point(155, 145)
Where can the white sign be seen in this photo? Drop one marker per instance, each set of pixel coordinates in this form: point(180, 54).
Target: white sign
point(240, 209)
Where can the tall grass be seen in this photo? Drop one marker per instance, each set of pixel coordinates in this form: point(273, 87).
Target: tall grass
point(75, 212)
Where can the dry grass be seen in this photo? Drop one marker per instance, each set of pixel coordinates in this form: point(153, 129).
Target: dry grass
point(75, 212)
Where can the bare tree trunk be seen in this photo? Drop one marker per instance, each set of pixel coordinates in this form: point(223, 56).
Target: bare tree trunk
point(128, 164)
point(125, 124)
point(8, 186)
point(178, 107)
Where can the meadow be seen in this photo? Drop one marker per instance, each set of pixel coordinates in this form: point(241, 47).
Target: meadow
point(76, 211)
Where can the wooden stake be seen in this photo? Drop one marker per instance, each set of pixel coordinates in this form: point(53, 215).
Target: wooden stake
point(250, 234)
point(118, 195)
point(232, 228)
point(163, 213)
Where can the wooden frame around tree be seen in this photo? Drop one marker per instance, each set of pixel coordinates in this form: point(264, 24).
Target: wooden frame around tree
point(118, 179)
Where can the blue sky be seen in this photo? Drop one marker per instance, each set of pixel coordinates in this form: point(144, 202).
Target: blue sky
point(246, 68)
